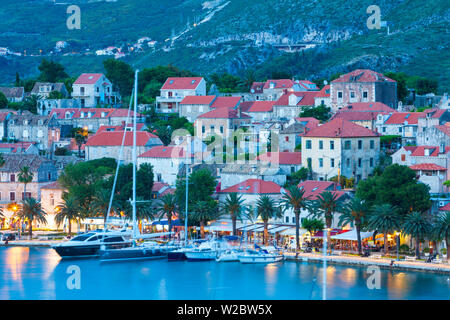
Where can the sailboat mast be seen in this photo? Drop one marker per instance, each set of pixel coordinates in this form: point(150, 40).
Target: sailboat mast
point(187, 192)
point(134, 152)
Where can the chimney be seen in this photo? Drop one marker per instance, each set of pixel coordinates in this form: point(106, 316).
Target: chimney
point(426, 152)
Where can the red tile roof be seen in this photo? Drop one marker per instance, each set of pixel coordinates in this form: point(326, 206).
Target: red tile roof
point(223, 113)
point(401, 117)
point(307, 98)
point(139, 127)
point(226, 102)
point(157, 186)
point(88, 78)
point(362, 75)
point(367, 106)
point(340, 128)
point(419, 151)
point(427, 167)
point(170, 152)
point(114, 138)
point(245, 105)
point(281, 157)
point(14, 147)
point(254, 186)
point(445, 208)
point(313, 188)
point(261, 106)
point(324, 92)
point(178, 83)
point(445, 129)
point(198, 100)
point(257, 87)
point(54, 185)
point(308, 85)
point(279, 83)
point(355, 116)
point(435, 113)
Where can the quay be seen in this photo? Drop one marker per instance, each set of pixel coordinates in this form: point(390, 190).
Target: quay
point(381, 262)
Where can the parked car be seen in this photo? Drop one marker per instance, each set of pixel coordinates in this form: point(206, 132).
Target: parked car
point(7, 236)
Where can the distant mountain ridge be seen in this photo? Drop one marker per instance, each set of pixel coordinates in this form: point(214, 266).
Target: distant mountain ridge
point(236, 35)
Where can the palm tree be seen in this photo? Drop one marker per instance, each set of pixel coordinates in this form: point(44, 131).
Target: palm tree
point(233, 205)
point(325, 206)
point(167, 208)
point(100, 202)
point(312, 225)
point(25, 176)
point(355, 214)
point(31, 210)
point(203, 212)
point(417, 226)
point(80, 136)
point(144, 210)
point(267, 209)
point(2, 160)
point(295, 199)
point(384, 218)
point(69, 209)
point(442, 229)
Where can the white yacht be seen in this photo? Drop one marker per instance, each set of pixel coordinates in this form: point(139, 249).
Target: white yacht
point(228, 256)
point(208, 250)
point(261, 256)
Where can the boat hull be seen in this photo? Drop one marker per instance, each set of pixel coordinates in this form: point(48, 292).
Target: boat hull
point(135, 253)
point(82, 251)
point(176, 256)
point(200, 256)
point(260, 259)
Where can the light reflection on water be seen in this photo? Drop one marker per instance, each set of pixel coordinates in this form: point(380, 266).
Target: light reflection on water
point(38, 273)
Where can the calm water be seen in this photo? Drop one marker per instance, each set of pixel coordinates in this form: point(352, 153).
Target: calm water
point(38, 273)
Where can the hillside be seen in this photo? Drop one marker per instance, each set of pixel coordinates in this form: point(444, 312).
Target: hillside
point(235, 35)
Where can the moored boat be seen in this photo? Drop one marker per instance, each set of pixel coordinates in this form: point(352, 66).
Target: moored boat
point(228, 256)
point(262, 256)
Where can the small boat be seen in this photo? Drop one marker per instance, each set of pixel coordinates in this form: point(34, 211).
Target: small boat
point(208, 250)
point(228, 256)
point(89, 244)
point(261, 256)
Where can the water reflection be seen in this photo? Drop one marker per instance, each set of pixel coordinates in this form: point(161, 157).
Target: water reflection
point(40, 274)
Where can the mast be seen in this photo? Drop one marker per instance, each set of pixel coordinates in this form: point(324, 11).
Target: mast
point(187, 192)
point(134, 152)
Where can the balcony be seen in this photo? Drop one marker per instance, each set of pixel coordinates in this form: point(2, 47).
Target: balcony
point(169, 99)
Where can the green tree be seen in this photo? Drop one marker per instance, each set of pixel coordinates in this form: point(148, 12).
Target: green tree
point(80, 136)
point(295, 178)
point(30, 103)
point(51, 71)
point(68, 210)
point(31, 210)
point(204, 211)
point(234, 206)
point(120, 74)
point(442, 229)
point(355, 214)
point(2, 160)
point(295, 199)
point(325, 206)
point(321, 112)
point(312, 225)
point(384, 218)
point(417, 226)
point(267, 209)
point(3, 101)
point(397, 186)
point(55, 95)
point(201, 187)
point(25, 176)
point(167, 208)
point(100, 203)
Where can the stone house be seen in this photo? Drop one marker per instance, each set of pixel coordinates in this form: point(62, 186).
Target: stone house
point(434, 127)
point(43, 89)
point(193, 106)
point(14, 94)
point(288, 162)
point(362, 85)
point(291, 104)
point(403, 124)
point(94, 89)
point(175, 89)
point(340, 147)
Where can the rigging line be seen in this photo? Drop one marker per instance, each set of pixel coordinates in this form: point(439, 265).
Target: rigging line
point(119, 160)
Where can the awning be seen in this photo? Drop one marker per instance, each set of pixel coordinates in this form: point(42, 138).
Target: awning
point(223, 226)
point(250, 227)
point(351, 235)
point(291, 232)
point(278, 229)
point(333, 232)
point(165, 222)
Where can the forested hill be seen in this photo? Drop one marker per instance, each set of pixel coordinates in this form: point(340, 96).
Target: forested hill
point(234, 36)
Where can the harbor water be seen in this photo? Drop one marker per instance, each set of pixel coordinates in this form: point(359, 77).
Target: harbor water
point(39, 273)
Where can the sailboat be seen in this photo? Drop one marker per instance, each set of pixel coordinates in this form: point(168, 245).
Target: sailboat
point(136, 250)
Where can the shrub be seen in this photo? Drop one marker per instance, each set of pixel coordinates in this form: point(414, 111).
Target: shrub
point(444, 250)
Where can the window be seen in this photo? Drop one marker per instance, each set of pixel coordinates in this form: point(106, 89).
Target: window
point(286, 138)
point(403, 157)
point(384, 129)
point(320, 144)
point(287, 219)
point(98, 89)
point(26, 195)
point(212, 128)
point(203, 129)
point(158, 176)
point(347, 145)
point(352, 94)
point(331, 145)
point(332, 163)
point(371, 162)
point(348, 163)
point(400, 129)
point(221, 129)
point(308, 144)
point(321, 162)
point(82, 90)
point(309, 161)
point(293, 219)
point(372, 144)
point(339, 94)
point(12, 178)
point(49, 175)
point(359, 144)
point(365, 94)
point(12, 196)
point(52, 199)
point(359, 162)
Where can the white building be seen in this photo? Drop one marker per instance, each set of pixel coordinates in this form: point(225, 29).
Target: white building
point(175, 89)
point(94, 89)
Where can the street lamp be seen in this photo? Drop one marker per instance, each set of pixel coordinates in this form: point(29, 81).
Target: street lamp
point(397, 238)
point(324, 284)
